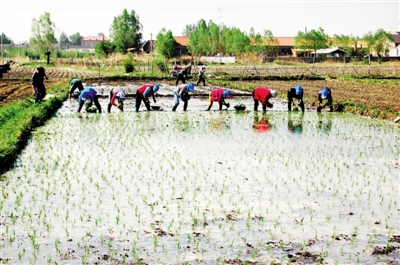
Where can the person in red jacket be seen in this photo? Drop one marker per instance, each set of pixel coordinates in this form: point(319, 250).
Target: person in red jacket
point(263, 95)
point(219, 95)
point(143, 93)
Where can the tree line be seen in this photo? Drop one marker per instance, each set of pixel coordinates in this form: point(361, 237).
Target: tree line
point(205, 38)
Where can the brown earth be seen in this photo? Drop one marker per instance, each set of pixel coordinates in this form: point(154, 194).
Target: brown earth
point(379, 95)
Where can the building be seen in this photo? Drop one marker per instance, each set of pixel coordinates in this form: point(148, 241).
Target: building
point(91, 41)
point(331, 52)
point(181, 45)
point(395, 49)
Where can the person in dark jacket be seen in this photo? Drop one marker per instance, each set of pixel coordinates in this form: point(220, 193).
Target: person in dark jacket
point(219, 95)
point(75, 83)
point(183, 74)
point(39, 89)
point(324, 94)
point(297, 93)
point(202, 77)
point(182, 92)
point(143, 93)
point(87, 97)
point(262, 94)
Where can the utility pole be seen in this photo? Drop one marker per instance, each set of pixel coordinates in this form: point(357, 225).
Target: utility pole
point(2, 55)
point(151, 42)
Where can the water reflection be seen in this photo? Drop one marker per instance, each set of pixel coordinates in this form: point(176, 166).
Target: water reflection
point(219, 123)
point(261, 125)
point(295, 122)
point(324, 122)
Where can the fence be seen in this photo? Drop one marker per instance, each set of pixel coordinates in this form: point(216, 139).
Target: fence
point(219, 59)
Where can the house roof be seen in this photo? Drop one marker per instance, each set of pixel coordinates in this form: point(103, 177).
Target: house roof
point(181, 40)
point(284, 41)
point(330, 50)
point(396, 37)
point(95, 38)
point(279, 41)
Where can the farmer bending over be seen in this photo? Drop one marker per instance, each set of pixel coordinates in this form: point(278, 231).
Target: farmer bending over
point(39, 89)
point(116, 94)
point(87, 97)
point(219, 95)
point(182, 91)
point(263, 95)
point(75, 83)
point(297, 93)
point(143, 93)
point(324, 94)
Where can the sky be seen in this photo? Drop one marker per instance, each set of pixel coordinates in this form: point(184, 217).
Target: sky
point(283, 18)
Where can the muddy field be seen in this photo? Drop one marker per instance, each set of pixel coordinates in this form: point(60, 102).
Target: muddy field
point(202, 187)
point(378, 95)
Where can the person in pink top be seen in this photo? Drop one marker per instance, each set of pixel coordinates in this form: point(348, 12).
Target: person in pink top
point(262, 94)
point(116, 94)
point(219, 95)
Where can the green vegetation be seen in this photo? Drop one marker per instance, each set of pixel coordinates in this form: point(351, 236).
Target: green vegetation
point(126, 31)
point(165, 43)
point(18, 118)
point(43, 34)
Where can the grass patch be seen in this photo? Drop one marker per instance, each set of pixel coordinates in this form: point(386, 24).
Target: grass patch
point(19, 118)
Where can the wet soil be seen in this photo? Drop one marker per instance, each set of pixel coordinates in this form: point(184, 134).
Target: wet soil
point(203, 187)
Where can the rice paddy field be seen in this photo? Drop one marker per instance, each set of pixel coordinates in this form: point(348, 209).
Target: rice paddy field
point(199, 187)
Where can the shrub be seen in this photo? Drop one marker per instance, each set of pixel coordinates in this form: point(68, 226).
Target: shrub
point(160, 64)
point(128, 64)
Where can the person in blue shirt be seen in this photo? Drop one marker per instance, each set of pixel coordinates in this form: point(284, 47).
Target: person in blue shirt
point(295, 92)
point(182, 92)
point(87, 97)
point(324, 94)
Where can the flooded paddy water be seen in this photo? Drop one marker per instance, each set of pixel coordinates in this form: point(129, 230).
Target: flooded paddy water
point(199, 187)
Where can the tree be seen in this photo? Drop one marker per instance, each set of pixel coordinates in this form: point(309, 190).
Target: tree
point(104, 48)
point(234, 41)
point(270, 47)
point(75, 39)
point(205, 38)
point(64, 39)
point(189, 28)
point(382, 41)
point(100, 34)
point(6, 40)
point(165, 43)
point(312, 40)
point(343, 42)
point(43, 34)
point(126, 31)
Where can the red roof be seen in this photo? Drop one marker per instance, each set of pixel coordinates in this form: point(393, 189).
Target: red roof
point(181, 40)
point(284, 41)
point(96, 38)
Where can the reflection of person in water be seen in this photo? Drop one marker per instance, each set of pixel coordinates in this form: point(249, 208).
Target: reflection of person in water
point(261, 125)
point(324, 123)
point(219, 123)
point(295, 122)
